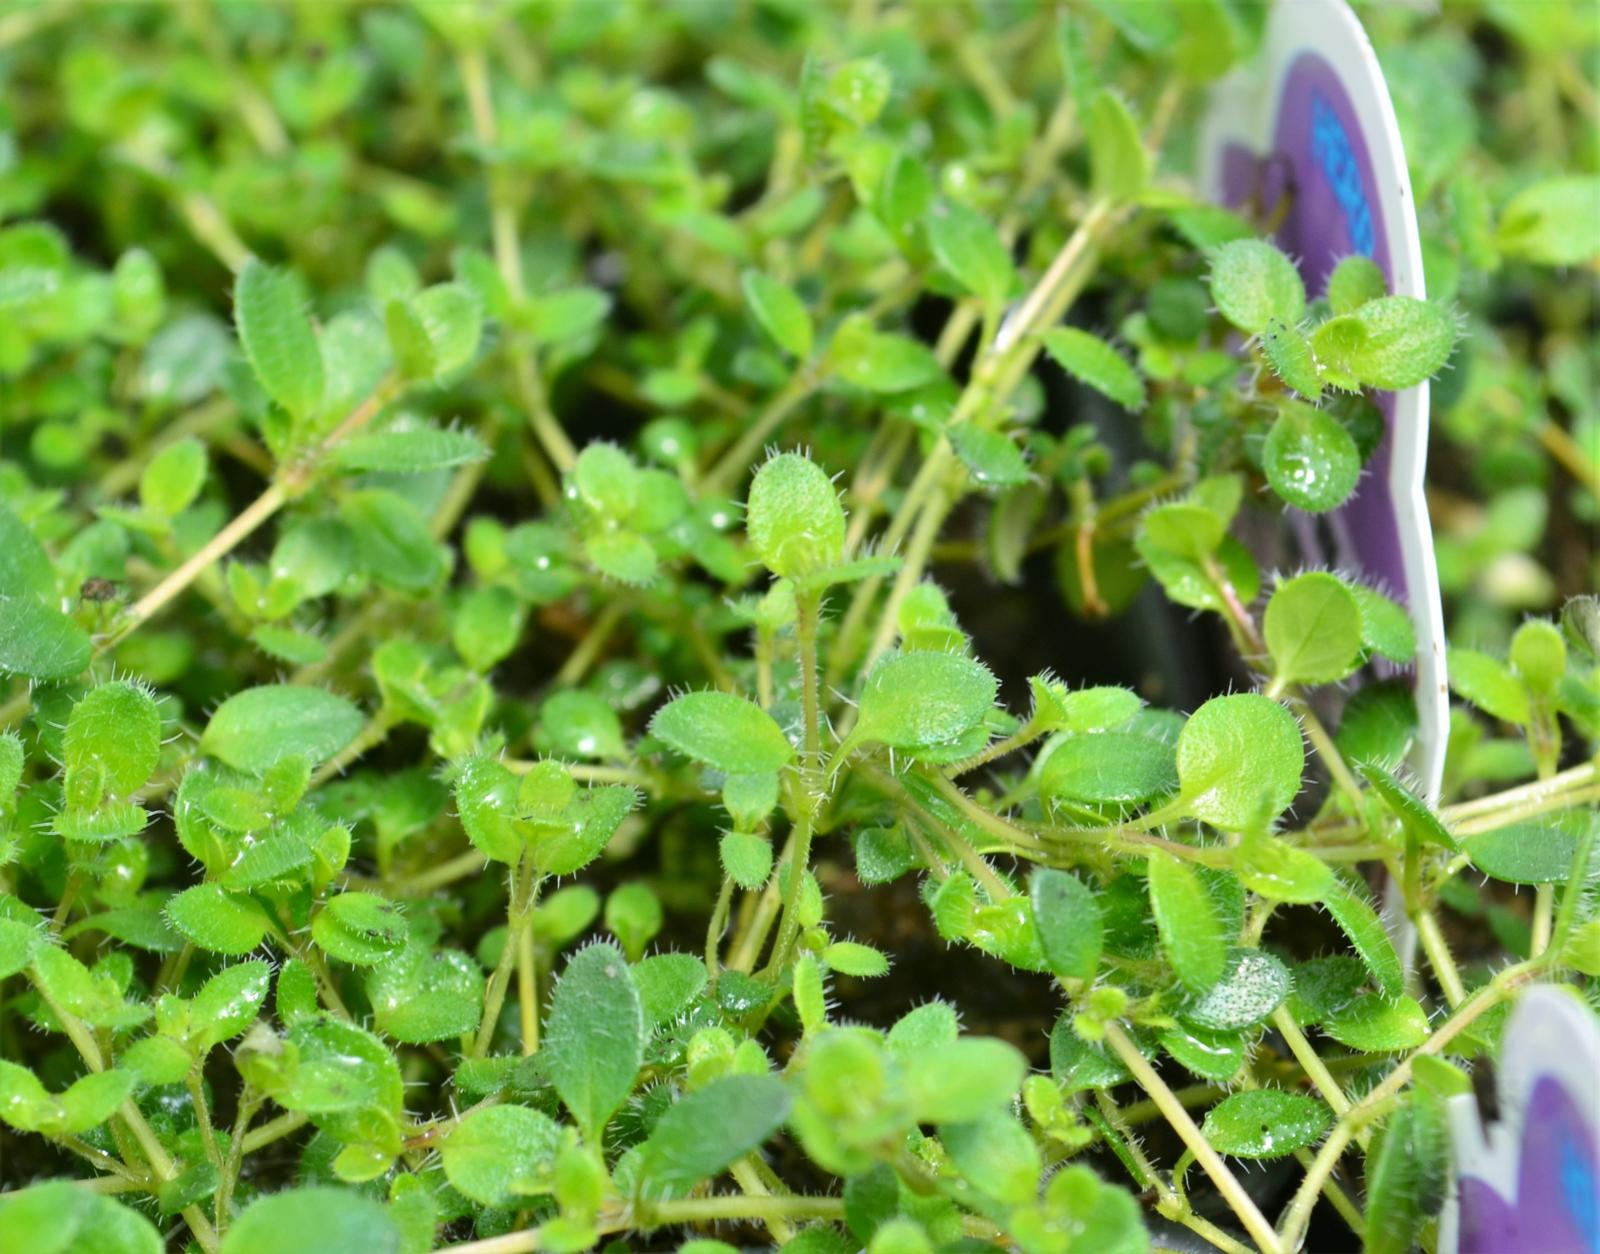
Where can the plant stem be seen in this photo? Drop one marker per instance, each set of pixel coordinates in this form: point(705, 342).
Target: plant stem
point(1439, 957)
point(1233, 1193)
point(276, 495)
point(528, 986)
point(519, 912)
point(238, 1146)
point(1310, 1061)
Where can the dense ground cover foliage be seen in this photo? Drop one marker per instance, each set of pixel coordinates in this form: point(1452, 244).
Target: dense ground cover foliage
point(672, 624)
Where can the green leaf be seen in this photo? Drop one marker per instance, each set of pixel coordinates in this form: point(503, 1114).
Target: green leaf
point(1253, 984)
point(1253, 283)
point(1526, 853)
point(25, 569)
point(1313, 630)
point(1415, 817)
point(882, 362)
point(408, 341)
point(1265, 1123)
point(1385, 627)
point(1276, 870)
point(701, 1134)
point(914, 699)
point(850, 958)
point(1364, 930)
point(1488, 683)
point(362, 929)
point(1406, 340)
point(1375, 1024)
point(634, 916)
point(780, 312)
point(560, 317)
point(962, 1080)
point(1210, 1055)
point(453, 321)
point(255, 729)
point(499, 1153)
point(1355, 281)
point(18, 942)
point(1239, 761)
point(581, 725)
point(114, 731)
point(1119, 166)
point(420, 996)
point(1067, 916)
point(1091, 360)
point(991, 457)
point(1109, 768)
point(278, 339)
point(486, 800)
point(1538, 655)
point(214, 919)
point(594, 1038)
point(173, 477)
point(1407, 1169)
point(392, 540)
point(1555, 222)
point(1191, 931)
point(667, 984)
point(227, 1004)
point(1289, 354)
point(967, 245)
point(996, 1156)
point(40, 642)
point(723, 731)
point(582, 830)
point(327, 1220)
point(60, 1217)
point(410, 451)
point(794, 520)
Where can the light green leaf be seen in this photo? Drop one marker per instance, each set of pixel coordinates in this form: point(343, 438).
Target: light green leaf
point(962, 1080)
point(1355, 281)
point(278, 339)
point(114, 731)
point(214, 919)
point(392, 540)
point(780, 312)
point(991, 457)
point(1488, 683)
point(1406, 340)
point(227, 1004)
point(1313, 630)
point(702, 1133)
point(1527, 853)
point(18, 941)
point(879, 361)
point(794, 520)
point(1067, 917)
point(61, 1217)
point(851, 958)
point(324, 1219)
point(419, 996)
point(411, 451)
point(913, 699)
point(38, 641)
point(1265, 1123)
point(362, 929)
point(259, 727)
point(453, 320)
point(594, 1038)
point(1253, 283)
point(967, 245)
point(667, 984)
point(1555, 222)
point(1091, 360)
point(1415, 817)
point(723, 731)
point(1357, 920)
point(1289, 354)
point(1191, 931)
point(1111, 767)
point(1118, 163)
point(499, 1153)
point(1374, 1024)
point(1240, 760)
point(173, 477)
point(1385, 626)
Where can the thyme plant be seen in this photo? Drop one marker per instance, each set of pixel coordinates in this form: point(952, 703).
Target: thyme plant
point(485, 716)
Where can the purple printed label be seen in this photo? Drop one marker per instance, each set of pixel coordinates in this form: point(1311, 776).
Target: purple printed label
point(1317, 183)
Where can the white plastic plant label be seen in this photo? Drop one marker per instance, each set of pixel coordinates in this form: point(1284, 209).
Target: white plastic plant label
point(1305, 138)
point(1530, 1185)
